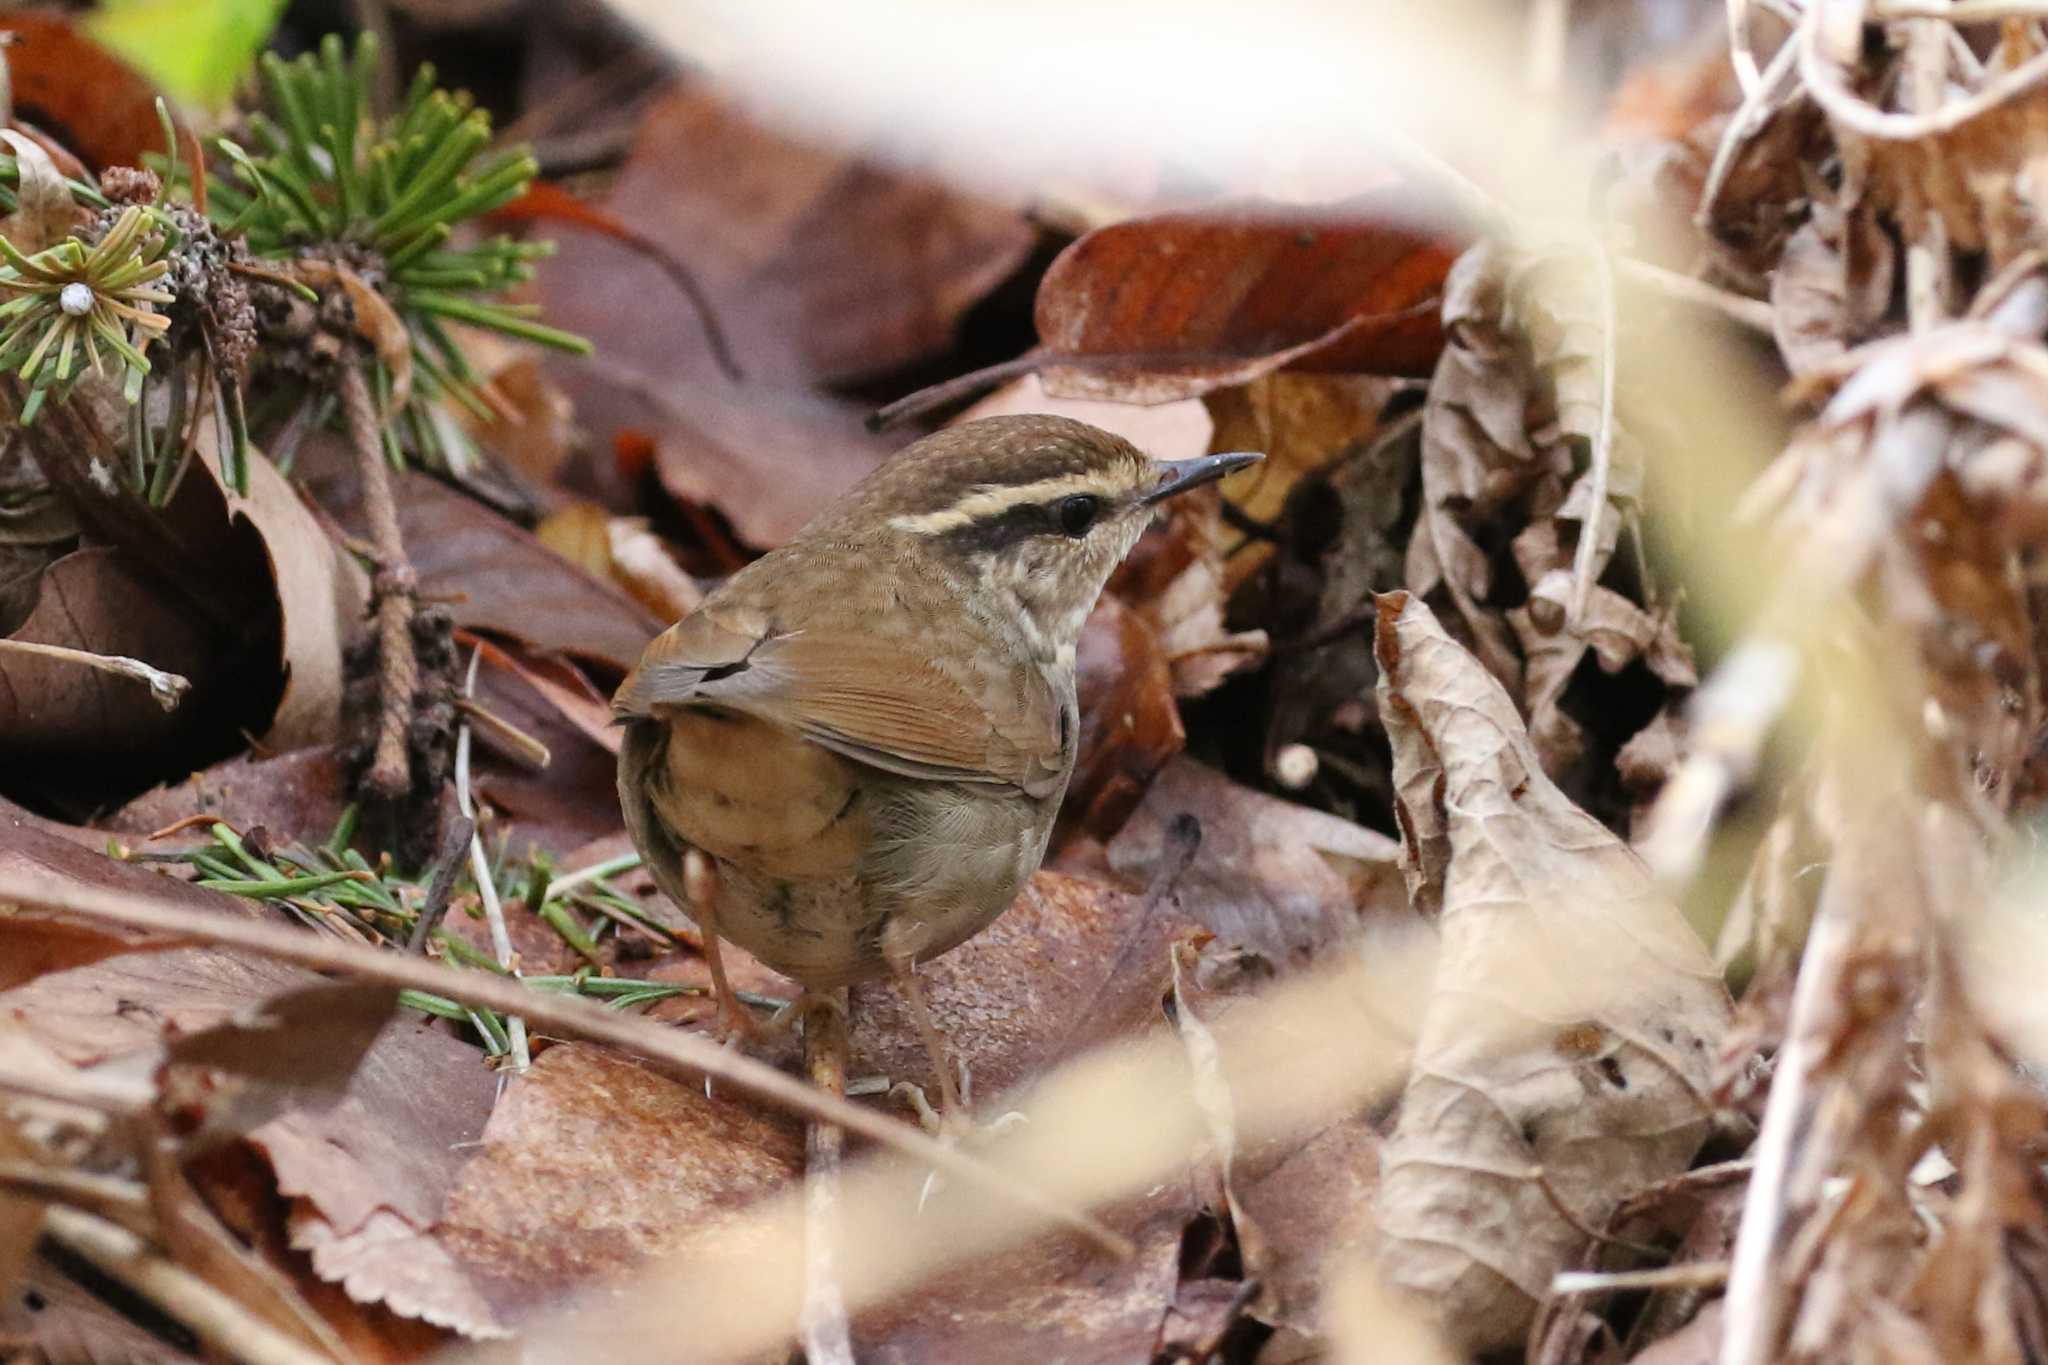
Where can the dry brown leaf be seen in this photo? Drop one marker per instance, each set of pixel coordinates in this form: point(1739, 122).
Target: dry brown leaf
point(623, 551)
point(100, 105)
point(371, 1175)
point(1072, 964)
point(767, 460)
point(821, 266)
point(1294, 1202)
point(1280, 879)
point(257, 574)
point(1302, 423)
point(294, 1051)
point(322, 594)
point(1051, 1301)
point(497, 577)
point(1572, 1024)
point(297, 795)
point(532, 427)
point(593, 1164)
point(643, 565)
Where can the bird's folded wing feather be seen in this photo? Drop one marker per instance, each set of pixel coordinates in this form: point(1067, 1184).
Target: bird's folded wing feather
point(861, 695)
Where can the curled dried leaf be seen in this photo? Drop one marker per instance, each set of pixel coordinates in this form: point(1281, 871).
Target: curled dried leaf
point(1564, 1058)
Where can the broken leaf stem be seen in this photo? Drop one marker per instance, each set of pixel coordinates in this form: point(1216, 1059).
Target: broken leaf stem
point(167, 688)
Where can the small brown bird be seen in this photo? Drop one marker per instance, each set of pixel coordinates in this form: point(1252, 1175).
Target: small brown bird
point(864, 735)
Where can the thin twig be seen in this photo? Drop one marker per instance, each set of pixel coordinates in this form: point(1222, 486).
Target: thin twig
point(218, 1320)
point(1741, 50)
point(487, 889)
point(168, 689)
point(396, 588)
point(1691, 1275)
point(1778, 83)
point(1756, 1290)
point(1844, 106)
point(958, 389)
point(1549, 27)
point(1754, 314)
point(122, 1201)
point(564, 1015)
point(822, 1323)
point(1962, 11)
point(102, 1093)
point(515, 742)
point(1927, 249)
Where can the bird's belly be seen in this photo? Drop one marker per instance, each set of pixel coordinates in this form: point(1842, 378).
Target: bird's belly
point(934, 876)
point(756, 796)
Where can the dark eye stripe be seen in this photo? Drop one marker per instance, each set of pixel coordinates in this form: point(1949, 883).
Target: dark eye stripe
point(1013, 525)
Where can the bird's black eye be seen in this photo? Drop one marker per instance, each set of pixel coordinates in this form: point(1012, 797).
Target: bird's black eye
point(1074, 515)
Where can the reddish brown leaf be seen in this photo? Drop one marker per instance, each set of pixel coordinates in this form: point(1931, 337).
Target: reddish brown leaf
point(821, 266)
point(1130, 725)
point(103, 108)
point(375, 1170)
point(1175, 304)
point(1073, 964)
point(593, 1164)
point(496, 577)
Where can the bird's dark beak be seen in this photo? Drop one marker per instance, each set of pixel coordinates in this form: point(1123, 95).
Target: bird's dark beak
point(1178, 476)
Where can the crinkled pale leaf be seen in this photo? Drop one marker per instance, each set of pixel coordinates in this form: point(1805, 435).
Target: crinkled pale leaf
point(1573, 1018)
point(45, 214)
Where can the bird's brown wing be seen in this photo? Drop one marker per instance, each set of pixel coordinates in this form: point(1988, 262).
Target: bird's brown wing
point(860, 694)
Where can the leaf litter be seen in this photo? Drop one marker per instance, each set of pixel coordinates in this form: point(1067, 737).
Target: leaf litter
point(1489, 612)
